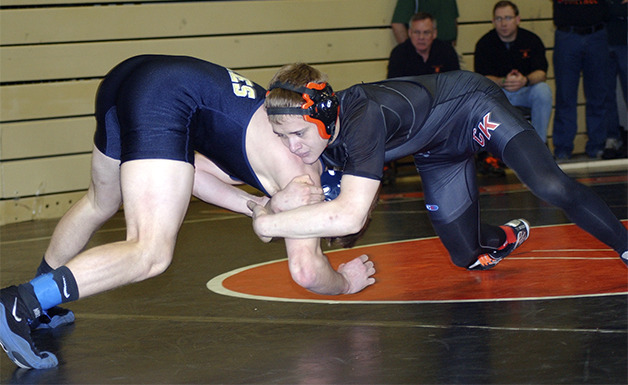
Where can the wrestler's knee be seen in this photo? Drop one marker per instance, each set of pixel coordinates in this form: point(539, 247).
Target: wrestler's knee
point(106, 208)
point(153, 257)
point(555, 190)
point(92, 211)
point(303, 267)
point(103, 203)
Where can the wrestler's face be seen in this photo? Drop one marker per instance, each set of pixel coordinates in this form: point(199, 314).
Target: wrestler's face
point(301, 138)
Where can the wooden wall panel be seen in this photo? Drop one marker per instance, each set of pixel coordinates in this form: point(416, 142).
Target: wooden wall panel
point(32, 208)
point(482, 10)
point(184, 19)
point(87, 60)
point(44, 138)
point(47, 100)
point(341, 75)
point(42, 176)
point(24, 3)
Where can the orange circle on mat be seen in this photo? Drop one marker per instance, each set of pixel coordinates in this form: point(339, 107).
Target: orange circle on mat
point(556, 262)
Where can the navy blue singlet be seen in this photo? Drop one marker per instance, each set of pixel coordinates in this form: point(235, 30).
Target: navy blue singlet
point(167, 107)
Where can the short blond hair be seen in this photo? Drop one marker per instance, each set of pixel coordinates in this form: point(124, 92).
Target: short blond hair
point(296, 74)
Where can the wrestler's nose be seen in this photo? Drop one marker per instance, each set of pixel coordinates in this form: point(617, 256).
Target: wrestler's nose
point(294, 145)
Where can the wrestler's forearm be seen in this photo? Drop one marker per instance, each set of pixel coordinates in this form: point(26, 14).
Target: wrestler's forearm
point(342, 216)
point(212, 190)
point(325, 219)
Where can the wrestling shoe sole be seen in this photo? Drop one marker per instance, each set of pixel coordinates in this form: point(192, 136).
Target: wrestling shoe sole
point(19, 350)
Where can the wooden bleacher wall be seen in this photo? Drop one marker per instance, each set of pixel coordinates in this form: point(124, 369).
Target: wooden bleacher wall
point(53, 54)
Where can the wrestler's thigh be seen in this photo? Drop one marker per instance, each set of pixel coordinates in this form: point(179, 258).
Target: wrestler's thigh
point(104, 190)
point(156, 194)
point(449, 188)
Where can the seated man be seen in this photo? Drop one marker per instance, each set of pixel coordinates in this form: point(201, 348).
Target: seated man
point(514, 58)
point(422, 53)
point(445, 11)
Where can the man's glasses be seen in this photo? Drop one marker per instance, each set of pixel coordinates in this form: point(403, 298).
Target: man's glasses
point(499, 19)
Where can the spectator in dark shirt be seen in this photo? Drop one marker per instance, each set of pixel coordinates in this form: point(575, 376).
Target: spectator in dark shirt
point(514, 58)
point(422, 53)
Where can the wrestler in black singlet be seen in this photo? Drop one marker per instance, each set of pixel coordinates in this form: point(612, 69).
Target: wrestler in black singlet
point(443, 120)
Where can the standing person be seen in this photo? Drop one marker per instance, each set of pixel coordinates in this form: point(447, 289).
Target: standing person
point(617, 35)
point(153, 114)
point(514, 58)
point(444, 11)
point(422, 53)
point(442, 120)
point(580, 46)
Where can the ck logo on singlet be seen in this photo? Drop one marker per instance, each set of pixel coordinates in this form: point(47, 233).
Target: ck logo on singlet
point(482, 132)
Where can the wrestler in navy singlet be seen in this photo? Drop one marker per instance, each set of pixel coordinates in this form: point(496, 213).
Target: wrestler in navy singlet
point(167, 107)
point(441, 119)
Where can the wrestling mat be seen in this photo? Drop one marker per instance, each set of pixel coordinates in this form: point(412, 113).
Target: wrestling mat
point(559, 261)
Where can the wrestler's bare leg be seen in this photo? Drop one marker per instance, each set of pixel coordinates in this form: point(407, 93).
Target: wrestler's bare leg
point(156, 194)
point(102, 200)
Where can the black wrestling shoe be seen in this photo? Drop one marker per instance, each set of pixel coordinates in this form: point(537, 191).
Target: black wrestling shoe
point(624, 257)
point(53, 318)
point(15, 333)
point(521, 232)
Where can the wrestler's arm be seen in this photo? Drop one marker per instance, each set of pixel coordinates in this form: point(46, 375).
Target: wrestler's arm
point(214, 186)
point(309, 266)
point(344, 215)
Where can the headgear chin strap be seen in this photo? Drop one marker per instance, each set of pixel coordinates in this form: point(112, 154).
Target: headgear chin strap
point(321, 106)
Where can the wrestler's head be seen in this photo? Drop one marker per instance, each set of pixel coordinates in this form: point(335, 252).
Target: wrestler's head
point(302, 109)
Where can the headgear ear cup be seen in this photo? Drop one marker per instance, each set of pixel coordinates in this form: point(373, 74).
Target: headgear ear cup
point(321, 106)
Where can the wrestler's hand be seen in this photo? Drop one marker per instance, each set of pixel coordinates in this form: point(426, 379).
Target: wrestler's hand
point(358, 272)
point(257, 212)
point(299, 192)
